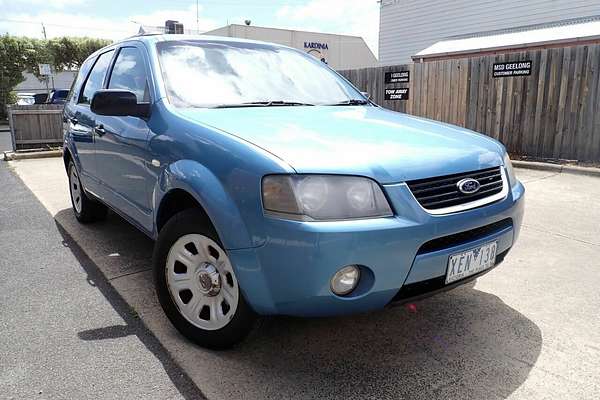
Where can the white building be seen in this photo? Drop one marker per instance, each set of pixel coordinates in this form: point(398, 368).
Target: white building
point(339, 51)
point(60, 80)
point(409, 26)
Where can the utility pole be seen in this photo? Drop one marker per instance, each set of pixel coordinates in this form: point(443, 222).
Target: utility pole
point(44, 31)
point(197, 17)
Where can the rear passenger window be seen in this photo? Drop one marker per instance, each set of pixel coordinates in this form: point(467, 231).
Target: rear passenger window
point(129, 74)
point(96, 77)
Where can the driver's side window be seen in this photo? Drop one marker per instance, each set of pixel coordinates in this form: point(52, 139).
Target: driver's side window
point(129, 74)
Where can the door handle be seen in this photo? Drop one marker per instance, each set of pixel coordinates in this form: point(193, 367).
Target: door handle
point(99, 129)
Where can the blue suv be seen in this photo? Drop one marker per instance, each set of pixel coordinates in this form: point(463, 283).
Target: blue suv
point(272, 186)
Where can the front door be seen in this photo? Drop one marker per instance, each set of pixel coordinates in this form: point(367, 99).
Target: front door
point(80, 121)
point(122, 155)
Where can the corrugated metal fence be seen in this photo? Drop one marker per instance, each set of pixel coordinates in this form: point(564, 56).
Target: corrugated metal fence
point(35, 126)
point(552, 113)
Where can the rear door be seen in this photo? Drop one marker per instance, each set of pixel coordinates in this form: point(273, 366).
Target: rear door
point(122, 154)
point(81, 122)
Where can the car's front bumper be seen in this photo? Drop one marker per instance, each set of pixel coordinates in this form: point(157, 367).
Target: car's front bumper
point(290, 274)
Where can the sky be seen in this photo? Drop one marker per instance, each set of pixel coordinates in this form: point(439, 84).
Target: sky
point(116, 19)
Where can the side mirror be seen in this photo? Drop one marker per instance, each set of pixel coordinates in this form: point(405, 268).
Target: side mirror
point(118, 103)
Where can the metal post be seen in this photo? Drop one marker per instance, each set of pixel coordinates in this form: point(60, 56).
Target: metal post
point(11, 125)
point(197, 18)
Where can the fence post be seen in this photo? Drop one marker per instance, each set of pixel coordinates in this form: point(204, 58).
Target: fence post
point(11, 125)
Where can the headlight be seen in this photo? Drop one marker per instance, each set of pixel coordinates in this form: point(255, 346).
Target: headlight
point(512, 178)
point(323, 197)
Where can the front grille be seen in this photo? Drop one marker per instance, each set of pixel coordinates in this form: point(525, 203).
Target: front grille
point(460, 238)
point(442, 191)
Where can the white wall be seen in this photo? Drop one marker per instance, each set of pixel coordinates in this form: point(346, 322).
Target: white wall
point(343, 52)
point(409, 26)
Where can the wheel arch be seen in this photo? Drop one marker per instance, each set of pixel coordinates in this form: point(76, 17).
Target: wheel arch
point(176, 201)
point(67, 157)
point(186, 184)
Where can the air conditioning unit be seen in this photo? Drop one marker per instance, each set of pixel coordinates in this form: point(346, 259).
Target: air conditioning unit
point(173, 27)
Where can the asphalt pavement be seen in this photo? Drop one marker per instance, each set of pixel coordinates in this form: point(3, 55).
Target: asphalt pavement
point(527, 330)
point(65, 332)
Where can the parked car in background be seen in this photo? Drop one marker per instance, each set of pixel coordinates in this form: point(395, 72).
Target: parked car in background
point(58, 96)
point(25, 99)
point(272, 186)
point(40, 98)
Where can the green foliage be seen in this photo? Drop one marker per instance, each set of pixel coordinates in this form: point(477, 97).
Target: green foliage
point(70, 53)
point(19, 54)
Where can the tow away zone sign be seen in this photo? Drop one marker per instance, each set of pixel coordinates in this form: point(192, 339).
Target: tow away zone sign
point(396, 94)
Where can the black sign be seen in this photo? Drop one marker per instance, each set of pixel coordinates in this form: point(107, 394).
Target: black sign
point(397, 77)
point(396, 94)
point(515, 68)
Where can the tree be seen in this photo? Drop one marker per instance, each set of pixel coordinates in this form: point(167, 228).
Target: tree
point(20, 54)
point(70, 53)
point(16, 55)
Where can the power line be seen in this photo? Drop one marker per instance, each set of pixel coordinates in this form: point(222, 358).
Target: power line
point(62, 26)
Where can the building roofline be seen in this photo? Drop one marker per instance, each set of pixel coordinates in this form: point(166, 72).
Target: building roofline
point(286, 30)
point(507, 49)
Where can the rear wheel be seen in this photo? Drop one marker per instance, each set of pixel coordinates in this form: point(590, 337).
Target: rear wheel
point(86, 210)
point(196, 284)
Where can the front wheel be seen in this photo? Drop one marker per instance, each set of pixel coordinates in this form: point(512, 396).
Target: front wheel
point(196, 284)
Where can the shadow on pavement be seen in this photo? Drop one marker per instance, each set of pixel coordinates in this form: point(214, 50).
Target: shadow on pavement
point(134, 326)
point(464, 344)
point(108, 332)
point(458, 345)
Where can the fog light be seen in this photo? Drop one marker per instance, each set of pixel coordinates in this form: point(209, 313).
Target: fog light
point(345, 280)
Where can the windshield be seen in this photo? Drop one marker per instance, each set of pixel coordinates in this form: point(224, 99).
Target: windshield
point(224, 74)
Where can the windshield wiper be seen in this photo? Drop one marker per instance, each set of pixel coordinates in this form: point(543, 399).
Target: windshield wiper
point(274, 103)
point(351, 102)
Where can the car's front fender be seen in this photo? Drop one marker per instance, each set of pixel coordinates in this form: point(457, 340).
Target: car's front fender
point(198, 181)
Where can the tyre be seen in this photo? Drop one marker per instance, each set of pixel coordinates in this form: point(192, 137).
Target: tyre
point(196, 284)
point(86, 210)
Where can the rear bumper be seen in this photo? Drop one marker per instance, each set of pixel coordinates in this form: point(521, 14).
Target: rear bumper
point(290, 273)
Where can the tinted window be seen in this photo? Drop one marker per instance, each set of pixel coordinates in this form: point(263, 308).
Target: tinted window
point(209, 74)
point(96, 77)
point(83, 71)
point(60, 94)
point(129, 73)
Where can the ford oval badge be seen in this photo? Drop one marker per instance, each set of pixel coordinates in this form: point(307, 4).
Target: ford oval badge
point(468, 186)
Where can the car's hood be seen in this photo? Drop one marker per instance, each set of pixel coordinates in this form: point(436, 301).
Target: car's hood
point(369, 141)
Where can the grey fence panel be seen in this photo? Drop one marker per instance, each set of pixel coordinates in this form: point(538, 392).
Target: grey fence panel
point(36, 126)
point(551, 113)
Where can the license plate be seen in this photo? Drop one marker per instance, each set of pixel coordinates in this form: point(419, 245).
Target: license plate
point(470, 262)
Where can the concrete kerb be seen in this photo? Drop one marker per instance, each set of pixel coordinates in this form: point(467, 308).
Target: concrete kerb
point(12, 156)
point(558, 168)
